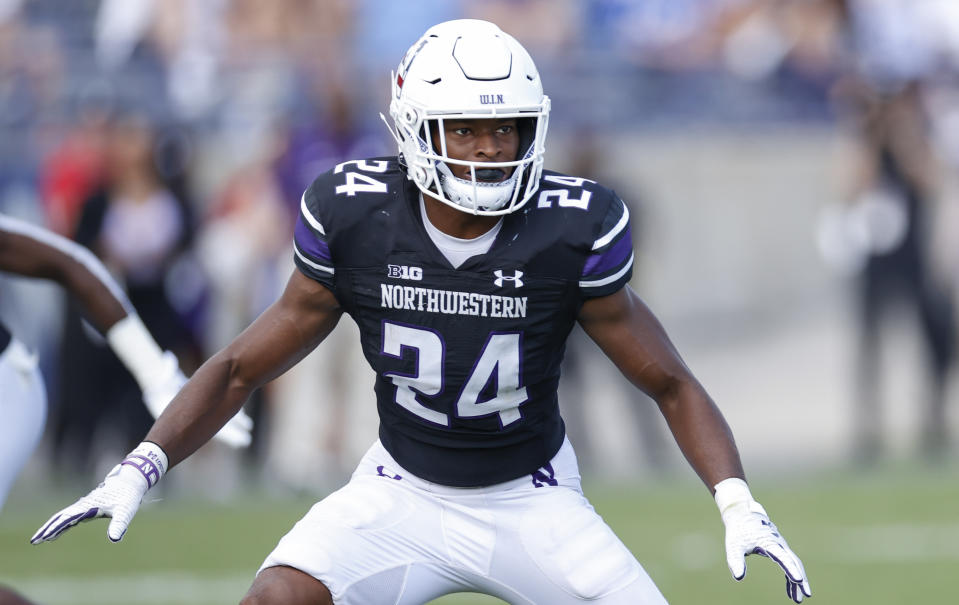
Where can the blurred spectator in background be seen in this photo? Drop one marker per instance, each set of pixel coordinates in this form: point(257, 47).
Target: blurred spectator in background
point(168, 51)
point(73, 170)
point(140, 226)
point(242, 239)
point(787, 46)
point(895, 184)
point(526, 18)
point(33, 72)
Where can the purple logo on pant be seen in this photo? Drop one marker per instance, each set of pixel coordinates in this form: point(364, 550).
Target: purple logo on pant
point(540, 478)
point(379, 471)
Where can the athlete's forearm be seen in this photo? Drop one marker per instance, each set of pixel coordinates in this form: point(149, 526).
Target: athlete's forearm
point(208, 400)
point(702, 433)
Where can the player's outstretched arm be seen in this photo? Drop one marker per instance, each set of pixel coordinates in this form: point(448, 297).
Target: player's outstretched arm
point(32, 251)
point(285, 333)
point(631, 336)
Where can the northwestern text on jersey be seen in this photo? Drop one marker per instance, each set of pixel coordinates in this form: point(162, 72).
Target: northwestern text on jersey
point(451, 302)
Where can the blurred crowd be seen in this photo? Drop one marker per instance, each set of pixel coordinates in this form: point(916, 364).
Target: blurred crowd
point(175, 138)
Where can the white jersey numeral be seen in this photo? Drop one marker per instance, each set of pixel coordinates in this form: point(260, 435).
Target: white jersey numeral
point(562, 196)
point(500, 355)
point(361, 183)
point(500, 359)
point(428, 378)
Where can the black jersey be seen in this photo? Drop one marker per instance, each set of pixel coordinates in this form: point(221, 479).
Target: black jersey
point(467, 360)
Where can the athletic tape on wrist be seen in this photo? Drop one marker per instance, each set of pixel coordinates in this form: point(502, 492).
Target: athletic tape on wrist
point(730, 492)
point(133, 344)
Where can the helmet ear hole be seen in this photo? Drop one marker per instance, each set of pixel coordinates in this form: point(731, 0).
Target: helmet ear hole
point(527, 132)
point(432, 133)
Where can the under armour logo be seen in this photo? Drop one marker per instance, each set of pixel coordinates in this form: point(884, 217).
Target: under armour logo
point(515, 278)
point(540, 478)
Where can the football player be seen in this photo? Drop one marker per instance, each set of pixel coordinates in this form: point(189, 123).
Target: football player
point(31, 251)
point(465, 265)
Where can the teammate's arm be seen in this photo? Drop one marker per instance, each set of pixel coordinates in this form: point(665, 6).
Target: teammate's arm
point(69, 264)
point(285, 333)
point(32, 251)
point(631, 336)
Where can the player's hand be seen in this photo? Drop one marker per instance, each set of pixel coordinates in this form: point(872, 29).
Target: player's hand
point(118, 496)
point(167, 380)
point(750, 532)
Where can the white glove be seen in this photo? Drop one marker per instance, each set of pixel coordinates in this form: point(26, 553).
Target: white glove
point(749, 531)
point(165, 382)
point(119, 495)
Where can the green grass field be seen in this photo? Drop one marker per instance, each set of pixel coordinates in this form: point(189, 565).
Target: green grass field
point(882, 538)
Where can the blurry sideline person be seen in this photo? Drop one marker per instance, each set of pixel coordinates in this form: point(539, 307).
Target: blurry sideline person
point(579, 375)
point(74, 168)
point(895, 183)
point(465, 265)
point(32, 251)
point(140, 225)
point(250, 208)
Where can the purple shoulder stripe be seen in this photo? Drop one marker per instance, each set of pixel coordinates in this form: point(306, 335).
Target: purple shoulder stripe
point(309, 242)
point(611, 258)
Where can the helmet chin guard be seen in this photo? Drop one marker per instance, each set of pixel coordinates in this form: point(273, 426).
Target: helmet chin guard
point(462, 70)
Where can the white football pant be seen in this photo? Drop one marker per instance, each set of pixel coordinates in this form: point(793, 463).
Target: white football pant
point(389, 537)
point(23, 410)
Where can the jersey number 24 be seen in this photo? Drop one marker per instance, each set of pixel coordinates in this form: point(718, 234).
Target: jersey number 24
point(501, 354)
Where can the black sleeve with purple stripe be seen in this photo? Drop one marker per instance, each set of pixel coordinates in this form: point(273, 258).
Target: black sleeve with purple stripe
point(311, 249)
point(609, 265)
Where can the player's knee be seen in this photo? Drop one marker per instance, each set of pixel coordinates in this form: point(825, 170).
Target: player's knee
point(286, 586)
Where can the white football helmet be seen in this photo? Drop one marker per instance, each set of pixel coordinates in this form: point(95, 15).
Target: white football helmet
point(468, 69)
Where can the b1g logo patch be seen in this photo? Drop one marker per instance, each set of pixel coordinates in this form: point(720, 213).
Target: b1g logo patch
point(404, 272)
